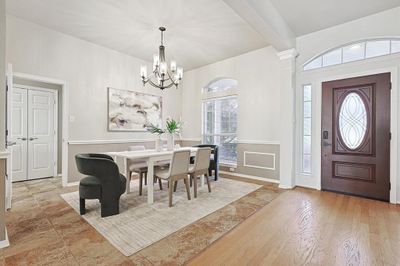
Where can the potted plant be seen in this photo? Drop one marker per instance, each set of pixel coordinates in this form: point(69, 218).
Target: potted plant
point(173, 128)
point(156, 130)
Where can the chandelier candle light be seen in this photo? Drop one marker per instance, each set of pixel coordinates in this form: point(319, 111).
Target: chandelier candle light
point(162, 77)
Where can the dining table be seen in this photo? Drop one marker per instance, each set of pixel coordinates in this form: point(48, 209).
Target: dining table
point(151, 157)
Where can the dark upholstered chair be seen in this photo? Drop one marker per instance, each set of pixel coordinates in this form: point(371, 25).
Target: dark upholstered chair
point(214, 159)
point(103, 182)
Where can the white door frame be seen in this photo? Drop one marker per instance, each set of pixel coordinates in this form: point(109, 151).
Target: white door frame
point(55, 118)
point(65, 110)
point(316, 128)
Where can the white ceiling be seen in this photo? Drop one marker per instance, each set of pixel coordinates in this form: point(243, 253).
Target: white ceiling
point(199, 32)
point(307, 16)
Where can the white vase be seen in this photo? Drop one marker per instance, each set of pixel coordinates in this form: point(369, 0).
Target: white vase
point(170, 142)
point(159, 144)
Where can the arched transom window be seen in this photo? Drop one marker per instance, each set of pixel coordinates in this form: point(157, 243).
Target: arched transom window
point(354, 52)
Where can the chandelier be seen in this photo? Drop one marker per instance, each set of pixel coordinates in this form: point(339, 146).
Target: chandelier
point(162, 77)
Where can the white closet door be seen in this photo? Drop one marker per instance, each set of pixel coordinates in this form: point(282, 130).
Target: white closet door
point(40, 134)
point(19, 133)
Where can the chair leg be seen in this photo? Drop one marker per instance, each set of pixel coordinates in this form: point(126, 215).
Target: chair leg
point(194, 178)
point(170, 188)
point(110, 207)
point(191, 182)
point(128, 183)
point(187, 188)
point(160, 183)
point(216, 173)
point(82, 206)
point(175, 185)
point(208, 183)
point(145, 179)
point(140, 184)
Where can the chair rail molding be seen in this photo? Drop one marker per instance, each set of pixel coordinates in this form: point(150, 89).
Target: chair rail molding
point(108, 141)
point(260, 142)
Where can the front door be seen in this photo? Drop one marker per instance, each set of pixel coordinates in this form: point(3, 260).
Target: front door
point(356, 136)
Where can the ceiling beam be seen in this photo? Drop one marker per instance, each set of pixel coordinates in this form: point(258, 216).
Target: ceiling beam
point(266, 20)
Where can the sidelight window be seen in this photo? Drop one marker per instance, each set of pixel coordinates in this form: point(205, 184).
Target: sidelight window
point(306, 147)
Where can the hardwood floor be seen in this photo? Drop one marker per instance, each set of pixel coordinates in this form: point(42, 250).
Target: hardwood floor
point(297, 227)
point(307, 227)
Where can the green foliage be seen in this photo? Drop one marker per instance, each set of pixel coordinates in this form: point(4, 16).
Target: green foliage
point(154, 129)
point(173, 127)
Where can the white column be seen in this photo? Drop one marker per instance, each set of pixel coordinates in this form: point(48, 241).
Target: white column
point(287, 118)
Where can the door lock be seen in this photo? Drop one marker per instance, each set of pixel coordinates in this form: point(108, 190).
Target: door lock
point(325, 134)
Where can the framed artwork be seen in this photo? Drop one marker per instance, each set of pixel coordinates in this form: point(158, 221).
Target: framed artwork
point(132, 111)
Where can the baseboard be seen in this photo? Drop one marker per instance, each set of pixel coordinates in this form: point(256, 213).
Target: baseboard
point(286, 187)
point(270, 180)
point(72, 184)
point(5, 243)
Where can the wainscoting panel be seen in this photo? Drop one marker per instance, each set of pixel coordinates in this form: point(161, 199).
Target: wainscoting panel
point(255, 158)
point(98, 147)
point(260, 160)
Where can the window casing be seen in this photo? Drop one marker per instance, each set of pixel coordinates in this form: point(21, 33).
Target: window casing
point(306, 160)
point(219, 125)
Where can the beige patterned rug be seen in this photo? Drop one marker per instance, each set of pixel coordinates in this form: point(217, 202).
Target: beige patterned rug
point(139, 225)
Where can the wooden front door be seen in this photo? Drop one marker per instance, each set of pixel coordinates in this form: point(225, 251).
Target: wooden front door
point(356, 136)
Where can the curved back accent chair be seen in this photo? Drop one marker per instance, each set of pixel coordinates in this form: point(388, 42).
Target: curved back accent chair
point(214, 159)
point(103, 182)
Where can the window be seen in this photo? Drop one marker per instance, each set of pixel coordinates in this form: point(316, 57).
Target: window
point(224, 84)
point(355, 52)
point(220, 119)
point(306, 147)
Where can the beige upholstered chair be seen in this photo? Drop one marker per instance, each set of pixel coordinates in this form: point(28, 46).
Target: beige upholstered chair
point(179, 169)
point(140, 168)
point(200, 167)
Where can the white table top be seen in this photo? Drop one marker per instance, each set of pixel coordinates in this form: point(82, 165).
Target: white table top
point(147, 153)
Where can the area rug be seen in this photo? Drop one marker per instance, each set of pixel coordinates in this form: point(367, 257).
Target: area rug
point(139, 224)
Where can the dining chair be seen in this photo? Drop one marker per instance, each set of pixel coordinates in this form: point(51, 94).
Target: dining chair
point(139, 167)
point(214, 159)
point(178, 169)
point(103, 182)
point(200, 168)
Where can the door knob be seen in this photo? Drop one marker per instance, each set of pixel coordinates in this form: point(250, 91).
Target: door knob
point(326, 144)
point(11, 143)
point(32, 139)
point(22, 138)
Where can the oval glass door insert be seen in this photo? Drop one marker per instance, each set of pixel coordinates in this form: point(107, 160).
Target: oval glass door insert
point(353, 120)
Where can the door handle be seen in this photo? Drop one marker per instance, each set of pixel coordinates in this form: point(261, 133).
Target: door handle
point(326, 144)
point(22, 139)
point(30, 139)
point(11, 143)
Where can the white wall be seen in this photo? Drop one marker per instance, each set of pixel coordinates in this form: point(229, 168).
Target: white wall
point(258, 75)
point(2, 71)
point(384, 24)
point(88, 70)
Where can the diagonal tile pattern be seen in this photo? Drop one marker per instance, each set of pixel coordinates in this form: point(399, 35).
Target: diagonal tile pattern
point(43, 229)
